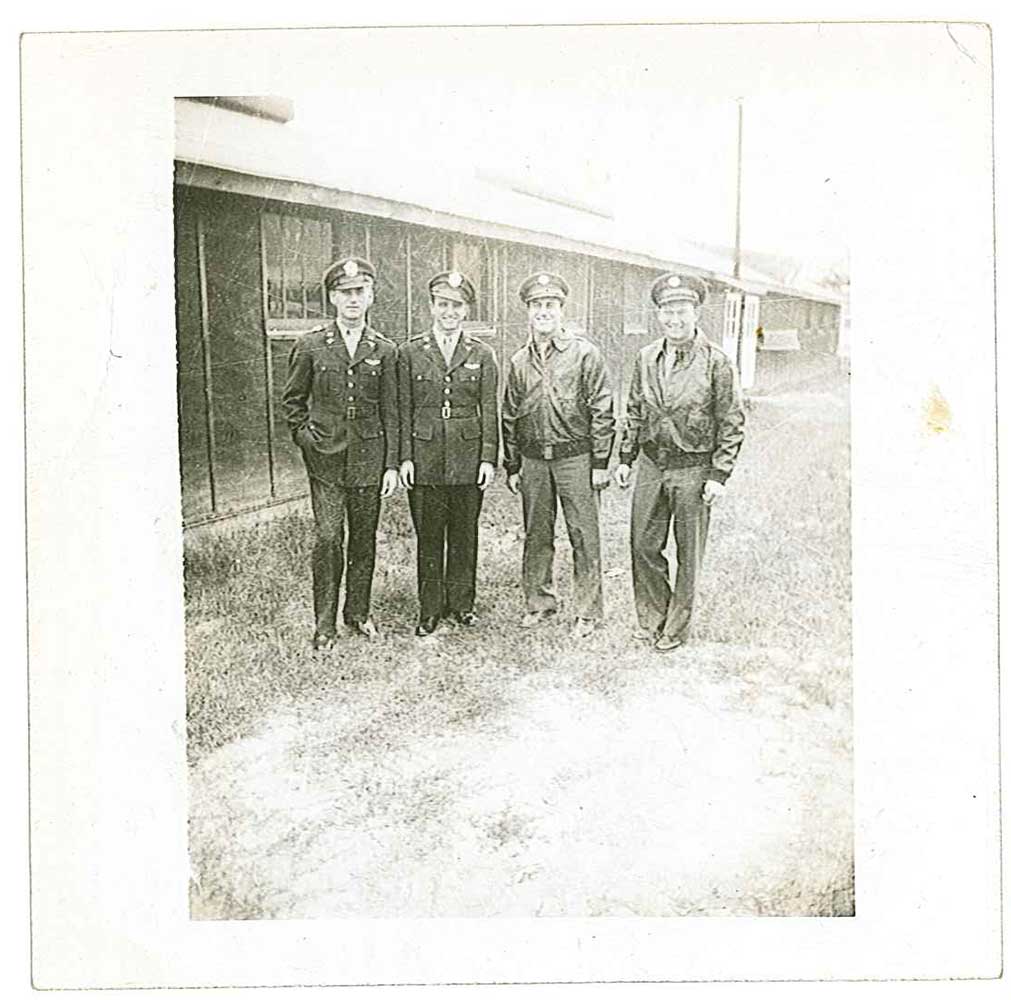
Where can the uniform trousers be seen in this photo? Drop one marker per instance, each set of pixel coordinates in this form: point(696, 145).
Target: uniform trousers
point(445, 520)
point(543, 483)
point(335, 505)
point(663, 496)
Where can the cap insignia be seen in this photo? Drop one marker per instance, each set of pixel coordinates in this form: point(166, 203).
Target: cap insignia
point(673, 281)
point(351, 268)
point(455, 279)
point(543, 279)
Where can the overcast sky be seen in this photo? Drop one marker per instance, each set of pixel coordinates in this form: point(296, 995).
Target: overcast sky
point(640, 121)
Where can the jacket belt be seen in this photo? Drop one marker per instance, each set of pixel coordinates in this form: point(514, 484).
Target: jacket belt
point(674, 457)
point(355, 411)
point(559, 449)
point(449, 411)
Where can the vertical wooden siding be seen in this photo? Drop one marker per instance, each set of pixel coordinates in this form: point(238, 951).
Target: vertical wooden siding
point(260, 259)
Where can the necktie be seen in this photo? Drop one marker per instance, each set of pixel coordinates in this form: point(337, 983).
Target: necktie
point(447, 348)
point(351, 342)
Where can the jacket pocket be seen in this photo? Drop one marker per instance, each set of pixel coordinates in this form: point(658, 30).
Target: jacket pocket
point(368, 381)
point(369, 429)
point(470, 429)
point(699, 425)
point(423, 432)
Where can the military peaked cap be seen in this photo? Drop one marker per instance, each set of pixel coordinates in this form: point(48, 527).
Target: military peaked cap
point(544, 285)
point(673, 287)
point(349, 272)
point(454, 286)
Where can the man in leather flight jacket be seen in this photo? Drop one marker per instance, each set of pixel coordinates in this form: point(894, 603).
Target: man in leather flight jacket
point(557, 434)
point(685, 423)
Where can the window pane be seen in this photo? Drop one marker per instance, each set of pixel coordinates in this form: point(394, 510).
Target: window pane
point(349, 237)
point(272, 254)
point(473, 257)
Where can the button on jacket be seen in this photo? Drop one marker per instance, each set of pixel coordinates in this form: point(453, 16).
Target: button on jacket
point(339, 405)
point(686, 414)
point(563, 400)
point(448, 413)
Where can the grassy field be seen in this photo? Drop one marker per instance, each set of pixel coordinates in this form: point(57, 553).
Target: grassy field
point(498, 771)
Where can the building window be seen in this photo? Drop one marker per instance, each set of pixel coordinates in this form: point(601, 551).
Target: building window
point(475, 258)
point(296, 250)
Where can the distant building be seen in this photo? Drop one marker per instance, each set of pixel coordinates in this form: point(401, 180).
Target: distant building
point(258, 216)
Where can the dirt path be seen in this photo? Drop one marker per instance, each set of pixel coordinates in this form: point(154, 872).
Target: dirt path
point(684, 789)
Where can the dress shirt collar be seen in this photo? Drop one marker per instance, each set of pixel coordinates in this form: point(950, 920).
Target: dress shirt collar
point(681, 353)
point(446, 338)
point(352, 338)
point(558, 341)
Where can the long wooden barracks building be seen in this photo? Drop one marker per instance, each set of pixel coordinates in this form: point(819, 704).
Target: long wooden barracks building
point(257, 220)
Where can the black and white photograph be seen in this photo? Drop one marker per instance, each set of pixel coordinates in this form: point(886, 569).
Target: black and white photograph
point(452, 440)
point(517, 437)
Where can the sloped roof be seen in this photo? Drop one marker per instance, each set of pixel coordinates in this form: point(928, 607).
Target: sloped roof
point(226, 149)
point(786, 275)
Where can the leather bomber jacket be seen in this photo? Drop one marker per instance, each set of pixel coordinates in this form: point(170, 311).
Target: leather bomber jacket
point(563, 400)
point(694, 413)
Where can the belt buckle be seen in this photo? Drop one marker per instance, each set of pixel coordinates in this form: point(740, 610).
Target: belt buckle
point(549, 452)
point(445, 411)
point(352, 412)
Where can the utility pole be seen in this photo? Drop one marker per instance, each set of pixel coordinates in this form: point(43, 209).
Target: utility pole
point(737, 224)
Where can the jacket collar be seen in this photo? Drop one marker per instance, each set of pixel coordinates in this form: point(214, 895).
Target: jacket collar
point(559, 341)
point(686, 350)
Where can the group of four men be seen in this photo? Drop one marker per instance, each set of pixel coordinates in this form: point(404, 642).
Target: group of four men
point(368, 417)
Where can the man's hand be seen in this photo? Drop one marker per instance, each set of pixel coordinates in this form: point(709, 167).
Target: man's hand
point(622, 475)
point(304, 436)
point(513, 482)
point(407, 474)
point(712, 492)
point(485, 475)
point(389, 486)
point(601, 479)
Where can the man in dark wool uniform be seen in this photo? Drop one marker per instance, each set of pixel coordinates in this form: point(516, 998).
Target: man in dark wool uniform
point(340, 401)
point(448, 449)
point(685, 423)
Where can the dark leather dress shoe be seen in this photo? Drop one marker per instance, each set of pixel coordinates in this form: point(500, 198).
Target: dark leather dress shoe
point(466, 618)
point(427, 626)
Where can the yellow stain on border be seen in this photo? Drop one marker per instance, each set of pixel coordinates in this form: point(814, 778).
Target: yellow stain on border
point(936, 412)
